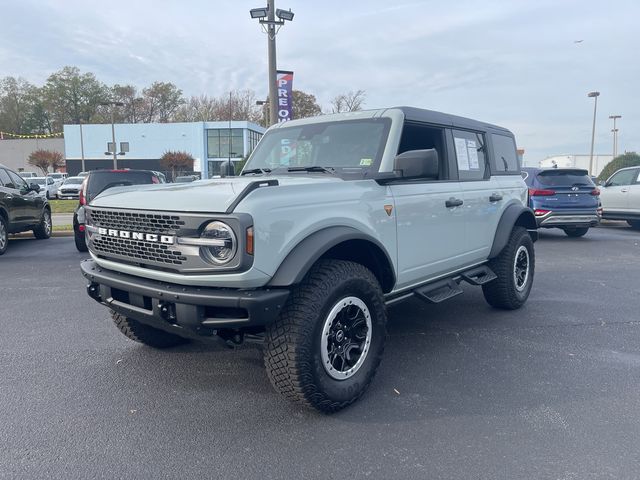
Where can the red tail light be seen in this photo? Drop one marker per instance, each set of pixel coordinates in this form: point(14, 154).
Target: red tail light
point(540, 212)
point(82, 193)
point(595, 192)
point(533, 192)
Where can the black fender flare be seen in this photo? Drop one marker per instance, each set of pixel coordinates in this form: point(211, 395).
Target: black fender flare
point(514, 214)
point(301, 258)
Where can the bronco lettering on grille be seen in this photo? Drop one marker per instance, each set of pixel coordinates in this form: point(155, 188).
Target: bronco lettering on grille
point(147, 237)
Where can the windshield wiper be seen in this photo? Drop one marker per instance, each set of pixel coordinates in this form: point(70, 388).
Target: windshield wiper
point(314, 168)
point(256, 171)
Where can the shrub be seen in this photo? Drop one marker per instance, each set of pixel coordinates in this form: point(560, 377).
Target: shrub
point(628, 159)
point(176, 162)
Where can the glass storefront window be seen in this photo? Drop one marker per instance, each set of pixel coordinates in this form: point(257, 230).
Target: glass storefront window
point(218, 143)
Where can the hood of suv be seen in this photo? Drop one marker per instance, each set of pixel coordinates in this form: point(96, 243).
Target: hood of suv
point(205, 196)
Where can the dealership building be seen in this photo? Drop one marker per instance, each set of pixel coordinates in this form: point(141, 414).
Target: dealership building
point(140, 145)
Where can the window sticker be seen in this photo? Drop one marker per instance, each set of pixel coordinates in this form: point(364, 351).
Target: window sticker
point(474, 164)
point(365, 162)
point(461, 153)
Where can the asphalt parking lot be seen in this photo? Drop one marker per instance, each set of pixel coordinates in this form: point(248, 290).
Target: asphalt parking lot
point(550, 391)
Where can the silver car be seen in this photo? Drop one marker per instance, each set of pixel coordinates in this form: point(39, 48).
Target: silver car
point(70, 189)
point(48, 187)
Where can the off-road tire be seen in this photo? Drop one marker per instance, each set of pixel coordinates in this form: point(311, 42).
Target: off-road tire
point(141, 333)
point(81, 241)
point(576, 232)
point(44, 228)
point(4, 235)
point(635, 224)
point(502, 292)
point(293, 352)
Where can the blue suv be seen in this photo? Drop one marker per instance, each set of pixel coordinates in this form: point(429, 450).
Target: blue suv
point(563, 198)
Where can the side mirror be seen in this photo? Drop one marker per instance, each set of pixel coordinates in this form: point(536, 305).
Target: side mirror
point(34, 187)
point(417, 164)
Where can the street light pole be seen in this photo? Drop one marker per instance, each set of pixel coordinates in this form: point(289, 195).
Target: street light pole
point(594, 95)
point(113, 130)
point(615, 134)
point(267, 18)
point(271, 38)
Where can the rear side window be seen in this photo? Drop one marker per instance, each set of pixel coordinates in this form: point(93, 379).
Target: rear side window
point(470, 154)
point(564, 178)
point(101, 181)
point(505, 159)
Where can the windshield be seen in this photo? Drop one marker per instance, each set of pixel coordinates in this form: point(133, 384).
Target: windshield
point(39, 181)
point(74, 180)
point(56, 175)
point(564, 178)
point(350, 146)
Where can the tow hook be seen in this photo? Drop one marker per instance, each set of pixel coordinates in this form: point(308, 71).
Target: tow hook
point(168, 311)
point(93, 289)
point(232, 338)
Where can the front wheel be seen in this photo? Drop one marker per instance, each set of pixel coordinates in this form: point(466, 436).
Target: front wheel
point(4, 235)
point(324, 349)
point(514, 268)
point(576, 232)
point(43, 230)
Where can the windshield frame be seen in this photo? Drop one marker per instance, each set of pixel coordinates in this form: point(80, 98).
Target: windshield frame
point(346, 173)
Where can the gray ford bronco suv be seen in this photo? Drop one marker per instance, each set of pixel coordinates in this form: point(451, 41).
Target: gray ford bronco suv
point(332, 219)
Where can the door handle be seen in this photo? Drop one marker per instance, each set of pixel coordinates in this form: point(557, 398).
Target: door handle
point(453, 202)
point(624, 190)
point(9, 197)
point(495, 197)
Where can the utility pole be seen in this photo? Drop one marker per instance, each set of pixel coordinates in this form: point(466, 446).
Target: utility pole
point(595, 96)
point(615, 134)
point(82, 148)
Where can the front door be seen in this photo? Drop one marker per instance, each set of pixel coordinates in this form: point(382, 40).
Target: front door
point(615, 196)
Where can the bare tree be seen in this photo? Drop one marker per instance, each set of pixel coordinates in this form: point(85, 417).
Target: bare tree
point(160, 102)
point(348, 102)
point(43, 159)
point(237, 105)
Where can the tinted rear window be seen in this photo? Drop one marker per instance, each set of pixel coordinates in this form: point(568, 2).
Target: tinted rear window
point(564, 178)
point(101, 181)
point(75, 180)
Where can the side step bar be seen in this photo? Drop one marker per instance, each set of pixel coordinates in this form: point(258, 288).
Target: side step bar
point(447, 288)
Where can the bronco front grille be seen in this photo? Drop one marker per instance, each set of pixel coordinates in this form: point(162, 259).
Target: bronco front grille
point(140, 251)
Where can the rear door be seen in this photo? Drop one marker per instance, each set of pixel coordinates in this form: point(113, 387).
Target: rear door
point(574, 190)
point(633, 199)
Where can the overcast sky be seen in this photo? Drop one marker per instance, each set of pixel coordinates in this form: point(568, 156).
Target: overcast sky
point(513, 63)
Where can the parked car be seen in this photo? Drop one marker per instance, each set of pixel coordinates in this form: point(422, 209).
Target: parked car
point(83, 174)
point(620, 196)
point(70, 189)
point(372, 208)
point(58, 177)
point(48, 187)
point(98, 181)
point(564, 198)
point(21, 208)
point(28, 174)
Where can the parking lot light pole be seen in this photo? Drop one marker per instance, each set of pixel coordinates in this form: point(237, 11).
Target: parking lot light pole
point(594, 95)
point(113, 130)
point(615, 134)
point(271, 26)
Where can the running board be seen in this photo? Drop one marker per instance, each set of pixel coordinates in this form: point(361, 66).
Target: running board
point(479, 275)
point(439, 291)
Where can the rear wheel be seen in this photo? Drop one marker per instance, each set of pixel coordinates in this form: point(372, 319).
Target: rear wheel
point(4, 235)
point(514, 267)
point(324, 349)
point(576, 232)
point(635, 224)
point(43, 230)
point(81, 241)
point(141, 333)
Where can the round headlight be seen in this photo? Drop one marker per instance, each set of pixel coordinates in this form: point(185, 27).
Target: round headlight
point(223, 245)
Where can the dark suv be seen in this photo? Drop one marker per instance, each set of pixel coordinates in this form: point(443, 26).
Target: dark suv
point(21, 208)
point(563, 198)
point(97, 182)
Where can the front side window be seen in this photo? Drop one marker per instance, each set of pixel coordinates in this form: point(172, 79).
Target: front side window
point(625, 177)
point(18, 181)
point(470, 151)
point(352, 147)
point(5, 180)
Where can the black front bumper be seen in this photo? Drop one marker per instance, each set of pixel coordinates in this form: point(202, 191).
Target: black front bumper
point(182, 310)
